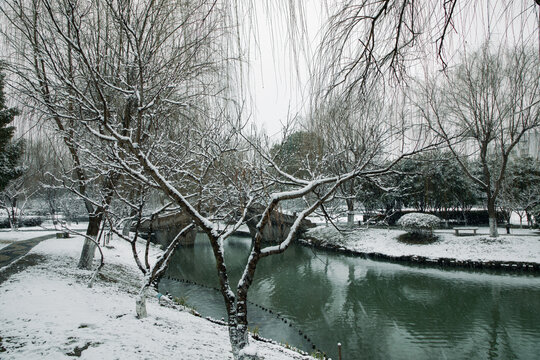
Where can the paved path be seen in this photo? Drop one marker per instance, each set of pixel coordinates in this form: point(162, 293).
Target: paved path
point(20, 248)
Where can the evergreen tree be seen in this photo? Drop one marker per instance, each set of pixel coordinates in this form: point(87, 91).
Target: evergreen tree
point(10, 151)
point(299, 153)
point(521, 189)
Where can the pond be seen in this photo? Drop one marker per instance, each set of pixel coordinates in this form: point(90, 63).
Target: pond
point(376, 310)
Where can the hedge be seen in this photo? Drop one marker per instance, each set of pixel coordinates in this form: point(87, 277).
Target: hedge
point(469, 217)
point(23, 221)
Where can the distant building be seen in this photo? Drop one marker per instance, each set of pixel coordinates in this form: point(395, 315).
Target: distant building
point(529, 145)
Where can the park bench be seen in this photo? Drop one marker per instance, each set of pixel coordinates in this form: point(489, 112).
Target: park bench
point(466, 230)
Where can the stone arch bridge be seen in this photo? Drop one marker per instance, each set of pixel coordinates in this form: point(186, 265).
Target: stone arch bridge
point(162, 229)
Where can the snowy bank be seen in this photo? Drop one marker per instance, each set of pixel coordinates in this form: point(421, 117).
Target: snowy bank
point(48, 312)
point(520, 250)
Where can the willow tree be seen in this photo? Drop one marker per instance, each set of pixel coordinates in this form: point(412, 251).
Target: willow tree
point(150, 84)
point(138, 90)
point(366, 41)
point(241, 176)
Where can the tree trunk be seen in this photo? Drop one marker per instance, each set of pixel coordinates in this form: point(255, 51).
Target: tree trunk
point(350, 213)
point(140, 303)
point(126, 228)
point(89, 247)
point(492, 213)
point(11, 219)
point(239, 338)
point(14, 221)
point(238, 333)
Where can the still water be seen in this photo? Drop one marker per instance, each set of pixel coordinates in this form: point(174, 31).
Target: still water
point(376, 310)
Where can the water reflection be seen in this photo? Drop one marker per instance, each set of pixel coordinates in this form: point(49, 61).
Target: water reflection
point(376, 310)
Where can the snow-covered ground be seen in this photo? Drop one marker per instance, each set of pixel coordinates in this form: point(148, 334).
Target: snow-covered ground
point(48, 312)
point(522, 245)
point(8, 236)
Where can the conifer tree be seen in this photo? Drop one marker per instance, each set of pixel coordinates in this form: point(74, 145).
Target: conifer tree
point(10, 151)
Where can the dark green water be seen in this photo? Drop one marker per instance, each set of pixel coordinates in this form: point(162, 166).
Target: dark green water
point(376, 310)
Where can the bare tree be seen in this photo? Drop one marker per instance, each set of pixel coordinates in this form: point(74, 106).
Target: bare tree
point(120, 73)
point(254, 179)
point(46, 69)
point(126, 62)
point(483, 109)
point(354, 131)
point(521, 188)
point(13, 200)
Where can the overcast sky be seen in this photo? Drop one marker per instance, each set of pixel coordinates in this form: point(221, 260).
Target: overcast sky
point(279, 92)
point(278, 78)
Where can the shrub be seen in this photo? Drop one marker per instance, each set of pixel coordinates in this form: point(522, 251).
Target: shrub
point(418, 222)
point(468, 217)
point(22, 221)
point(31, 220)
point(325, 234)
point(182, 300)
point(4, 223)
point(419, 228)
point(417, 238)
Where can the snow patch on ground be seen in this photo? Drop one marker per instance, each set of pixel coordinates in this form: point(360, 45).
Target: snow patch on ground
point(13, 236)
point(48, 312)
point(250, 350)
point(8, 236)
point(521, 246)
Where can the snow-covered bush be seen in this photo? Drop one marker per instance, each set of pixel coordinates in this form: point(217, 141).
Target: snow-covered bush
point(22, 221)
point(418, 221)
point(325, 235)
point(419, 227)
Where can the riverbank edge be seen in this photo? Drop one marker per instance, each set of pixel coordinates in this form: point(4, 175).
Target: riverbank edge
point(124, 274)
point(514, 266)
point(253, 336)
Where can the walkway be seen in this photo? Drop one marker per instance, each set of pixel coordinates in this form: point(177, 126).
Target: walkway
point(18, 249)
